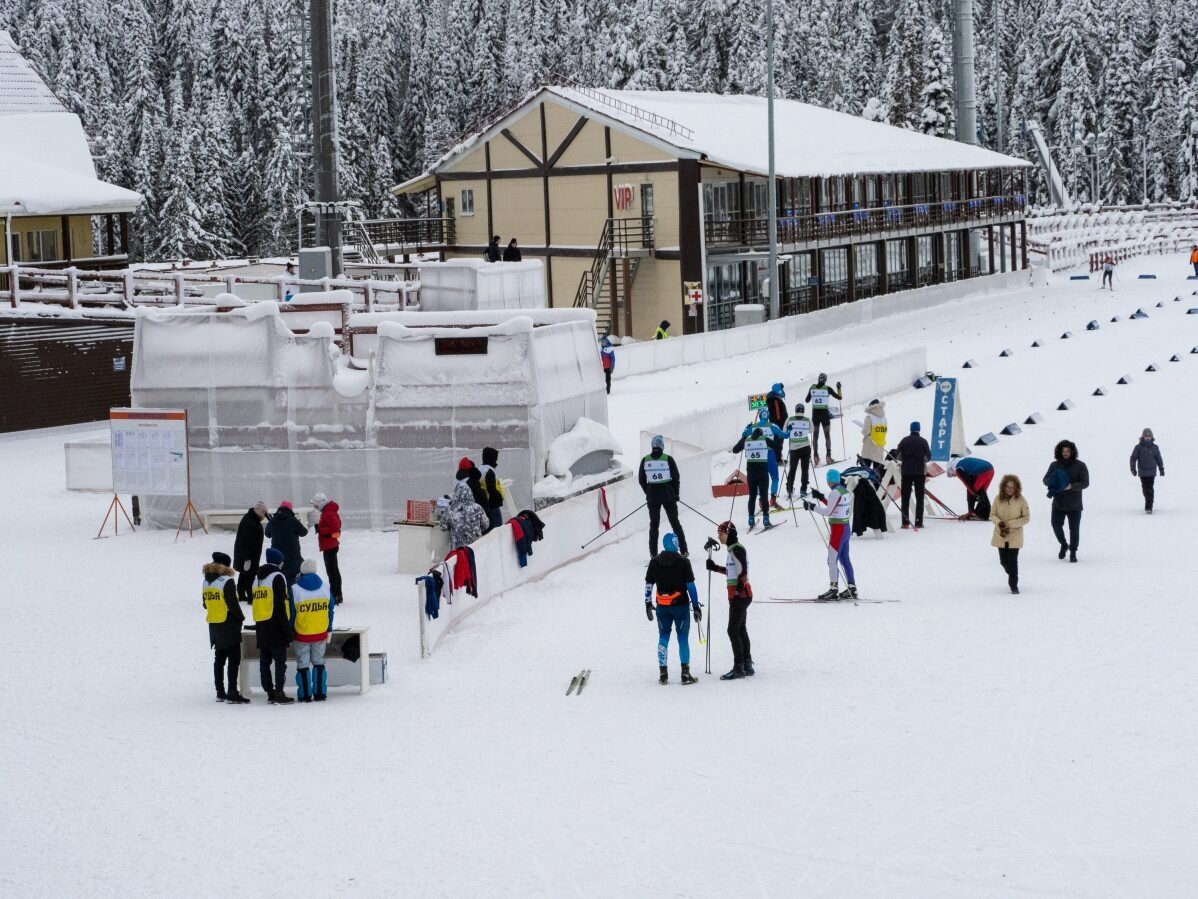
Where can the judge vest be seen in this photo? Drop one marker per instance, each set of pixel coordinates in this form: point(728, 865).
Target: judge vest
point(311, 612)
point(214, 600)
point(264, 596)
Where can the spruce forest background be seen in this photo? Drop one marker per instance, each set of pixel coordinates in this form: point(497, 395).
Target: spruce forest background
point(201, 105)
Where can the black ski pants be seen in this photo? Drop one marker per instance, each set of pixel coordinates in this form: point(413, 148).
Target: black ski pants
point(914, 482)
point(738, 631)
point(1075, 526)
point(245, 584)
point(821, 418)
point(656, 504)
point(607, 378)
point(230, 657)
point(1008, 558)
point(1108, 278)
point(1148, 485)
point(334, 573)
point(758, 476)
point(800, 456)
point(977, 502)
point(278, 656)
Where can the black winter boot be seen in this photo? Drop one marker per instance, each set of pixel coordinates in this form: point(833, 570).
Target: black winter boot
point(1064, 549)
point(664, 674)
point(236, 698)
point(736, 673)
point(319, 683)
point(747, 668)
point(687, 677)
point(278, 697)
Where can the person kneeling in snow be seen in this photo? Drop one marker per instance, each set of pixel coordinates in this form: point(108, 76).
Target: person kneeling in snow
point(674, 579)
point(311, 620)
point(837, 506)
point(224, 615)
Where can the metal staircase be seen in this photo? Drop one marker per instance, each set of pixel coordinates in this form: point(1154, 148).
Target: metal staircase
point(605, 283)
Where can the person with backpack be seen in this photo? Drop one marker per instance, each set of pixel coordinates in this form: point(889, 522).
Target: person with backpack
point(659, 480)
point(674, 579)
point(1146, 461)
point(224, 615)
point(740, 596)
point(607, 355)
point(914, 455)
point(1010, 514)
point(1066, 478)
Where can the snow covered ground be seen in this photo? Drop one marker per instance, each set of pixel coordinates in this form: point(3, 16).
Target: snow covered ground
point(960, 742)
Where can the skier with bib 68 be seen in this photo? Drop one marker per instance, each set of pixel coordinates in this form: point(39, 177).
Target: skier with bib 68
point(740, 594)
point(671, 574)
point(659, 480)
point(837, 508)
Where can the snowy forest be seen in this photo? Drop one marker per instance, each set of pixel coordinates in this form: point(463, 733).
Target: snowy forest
point(201, 105)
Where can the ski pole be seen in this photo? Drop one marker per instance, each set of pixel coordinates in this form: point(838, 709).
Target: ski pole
point(607, 530)
point(733, 503)
point(697, 512)
point(844, 446)
point(707, 665)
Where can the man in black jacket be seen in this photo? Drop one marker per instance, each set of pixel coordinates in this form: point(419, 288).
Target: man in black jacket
point(492, 486)
point(659, 480)
point(224, 616)
point(914, 455)
point(247, 549)
point(273, 625)
point(674, 579)
point(1065, 479)
point(284, 531)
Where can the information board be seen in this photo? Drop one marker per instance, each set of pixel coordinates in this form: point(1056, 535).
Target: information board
point(149, 451)
point(758, 401)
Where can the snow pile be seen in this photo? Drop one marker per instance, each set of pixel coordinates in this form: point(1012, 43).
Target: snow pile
point(585, 438)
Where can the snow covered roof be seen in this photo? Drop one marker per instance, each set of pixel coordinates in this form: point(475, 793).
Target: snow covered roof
point(46, 166)
point(730, 131)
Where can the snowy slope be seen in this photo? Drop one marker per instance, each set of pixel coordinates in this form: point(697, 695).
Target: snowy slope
point(960, 742)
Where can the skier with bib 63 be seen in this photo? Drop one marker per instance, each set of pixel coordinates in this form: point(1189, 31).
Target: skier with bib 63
point(798, 432)
point(674, 579)
point(740, 594)
point(659, 480)
point(837, 508)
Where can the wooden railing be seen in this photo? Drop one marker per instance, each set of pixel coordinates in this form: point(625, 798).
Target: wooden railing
point(753, 230)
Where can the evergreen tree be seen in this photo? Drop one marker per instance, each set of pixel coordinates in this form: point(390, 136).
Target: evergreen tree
point(936, 96)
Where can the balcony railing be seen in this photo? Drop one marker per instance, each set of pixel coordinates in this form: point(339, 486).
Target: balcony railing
point(420, 233)
point(752, 230)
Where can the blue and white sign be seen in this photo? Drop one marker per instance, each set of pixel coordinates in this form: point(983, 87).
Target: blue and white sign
point(947, 426)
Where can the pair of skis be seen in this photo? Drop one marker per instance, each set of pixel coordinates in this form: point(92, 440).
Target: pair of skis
point(578, 681)
point(789, 600)
point(761, 528)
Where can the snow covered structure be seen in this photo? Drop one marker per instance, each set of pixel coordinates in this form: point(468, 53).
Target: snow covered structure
point(49, 191)
point(275, 414)
point(472, 284)
point(651, 205)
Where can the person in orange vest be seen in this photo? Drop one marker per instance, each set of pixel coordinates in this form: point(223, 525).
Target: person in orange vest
point(1194, 258)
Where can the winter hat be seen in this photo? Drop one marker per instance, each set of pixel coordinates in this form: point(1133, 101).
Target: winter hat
point(951, 471)
point(260, 507)
point(727, 528)
point(319, 500)
point(777, 388)
point(799, 408)
point(274, 557)
point(670, 542)
point(1147, 433)
point(222, 559)
point(914, 427)
point(833, 476)
point(822, 377)
point(490, 456)
point(285, 504)
point(658, 442)
point(464, 464)
point(309, 567)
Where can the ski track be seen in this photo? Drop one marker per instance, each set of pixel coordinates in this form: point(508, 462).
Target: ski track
point(961, 742)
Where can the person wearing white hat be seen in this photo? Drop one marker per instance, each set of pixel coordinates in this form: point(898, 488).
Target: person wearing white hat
point(328, 540)
point(311, 620)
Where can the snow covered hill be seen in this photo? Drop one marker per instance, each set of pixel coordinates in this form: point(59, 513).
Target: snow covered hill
point(959, 742)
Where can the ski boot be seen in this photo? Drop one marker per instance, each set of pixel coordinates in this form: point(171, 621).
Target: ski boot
point(752, 521)
point(221, 695)
point(235, 698)
point(736, 673)
point(687, 677)
point(830, 594)
point(747, 667)
point(303, 685)
point(320, 683)
point(278, 697)
point(849, 592)
point(765, 522)
point(774, 503)
point(906, 525)
point(664, 677)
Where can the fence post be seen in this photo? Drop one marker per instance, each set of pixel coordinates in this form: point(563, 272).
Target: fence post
point(72, 280)
point(14, 282)
point(178, 289)
point(230, 280)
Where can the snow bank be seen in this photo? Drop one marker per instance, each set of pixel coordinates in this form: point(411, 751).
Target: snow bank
point(584, 438)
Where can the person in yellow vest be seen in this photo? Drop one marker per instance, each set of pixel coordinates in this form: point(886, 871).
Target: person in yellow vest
point(272, 622)
point(663, 331)
point(311, 619)
point(224, 615)
point(873, 436)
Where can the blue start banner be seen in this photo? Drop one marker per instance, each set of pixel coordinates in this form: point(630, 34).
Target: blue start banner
point(943, 419)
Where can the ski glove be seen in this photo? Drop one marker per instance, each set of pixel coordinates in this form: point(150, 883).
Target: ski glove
point(698, 614)
point(712, 566)
point(649, 610)
point(819, 496)
point(808, 506)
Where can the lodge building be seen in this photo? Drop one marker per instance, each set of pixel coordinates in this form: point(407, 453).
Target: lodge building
point(650, 205)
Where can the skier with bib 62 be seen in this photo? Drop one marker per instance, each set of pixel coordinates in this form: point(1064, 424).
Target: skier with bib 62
point(821, 416)
point(674, 579)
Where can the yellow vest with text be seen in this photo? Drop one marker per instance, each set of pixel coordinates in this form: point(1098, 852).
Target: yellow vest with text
point(311, 611)
point(877, 431)
point(264, 596)
point(214, 600)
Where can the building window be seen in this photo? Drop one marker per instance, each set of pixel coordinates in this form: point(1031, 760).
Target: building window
point(42, 246)
point(467, 201)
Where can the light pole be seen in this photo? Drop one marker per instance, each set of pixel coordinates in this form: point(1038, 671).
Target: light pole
point(772, 190)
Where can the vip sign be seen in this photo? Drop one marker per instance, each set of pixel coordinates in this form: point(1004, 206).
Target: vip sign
point(622, 196)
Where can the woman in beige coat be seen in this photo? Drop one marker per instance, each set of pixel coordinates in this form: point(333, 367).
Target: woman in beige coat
point(1009, 513)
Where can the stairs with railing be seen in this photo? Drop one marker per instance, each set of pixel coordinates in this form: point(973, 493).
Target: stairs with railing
point(607, 280)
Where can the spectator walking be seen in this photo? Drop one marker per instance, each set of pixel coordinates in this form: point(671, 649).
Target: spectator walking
point(465, 520)
point(492, 253)
point(272, 622)
point(914, 455)
point(1194, 258)
point(1065, 479)
point(1146, 461)
point(493, 487)
point(660, 482)
point(328, 541)
point(663, 330)
point(311, 620)
point(1108, 273)
point(224, 616)
point(607, 354)
point(247, 549)
point(1010, 515)
point(512, 252)
point(284, 531)
point(976, 474)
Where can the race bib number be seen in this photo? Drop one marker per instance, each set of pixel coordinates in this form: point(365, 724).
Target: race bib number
point(756, 451)
point(657, 471)
point(819, 397)
point(799, 432)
